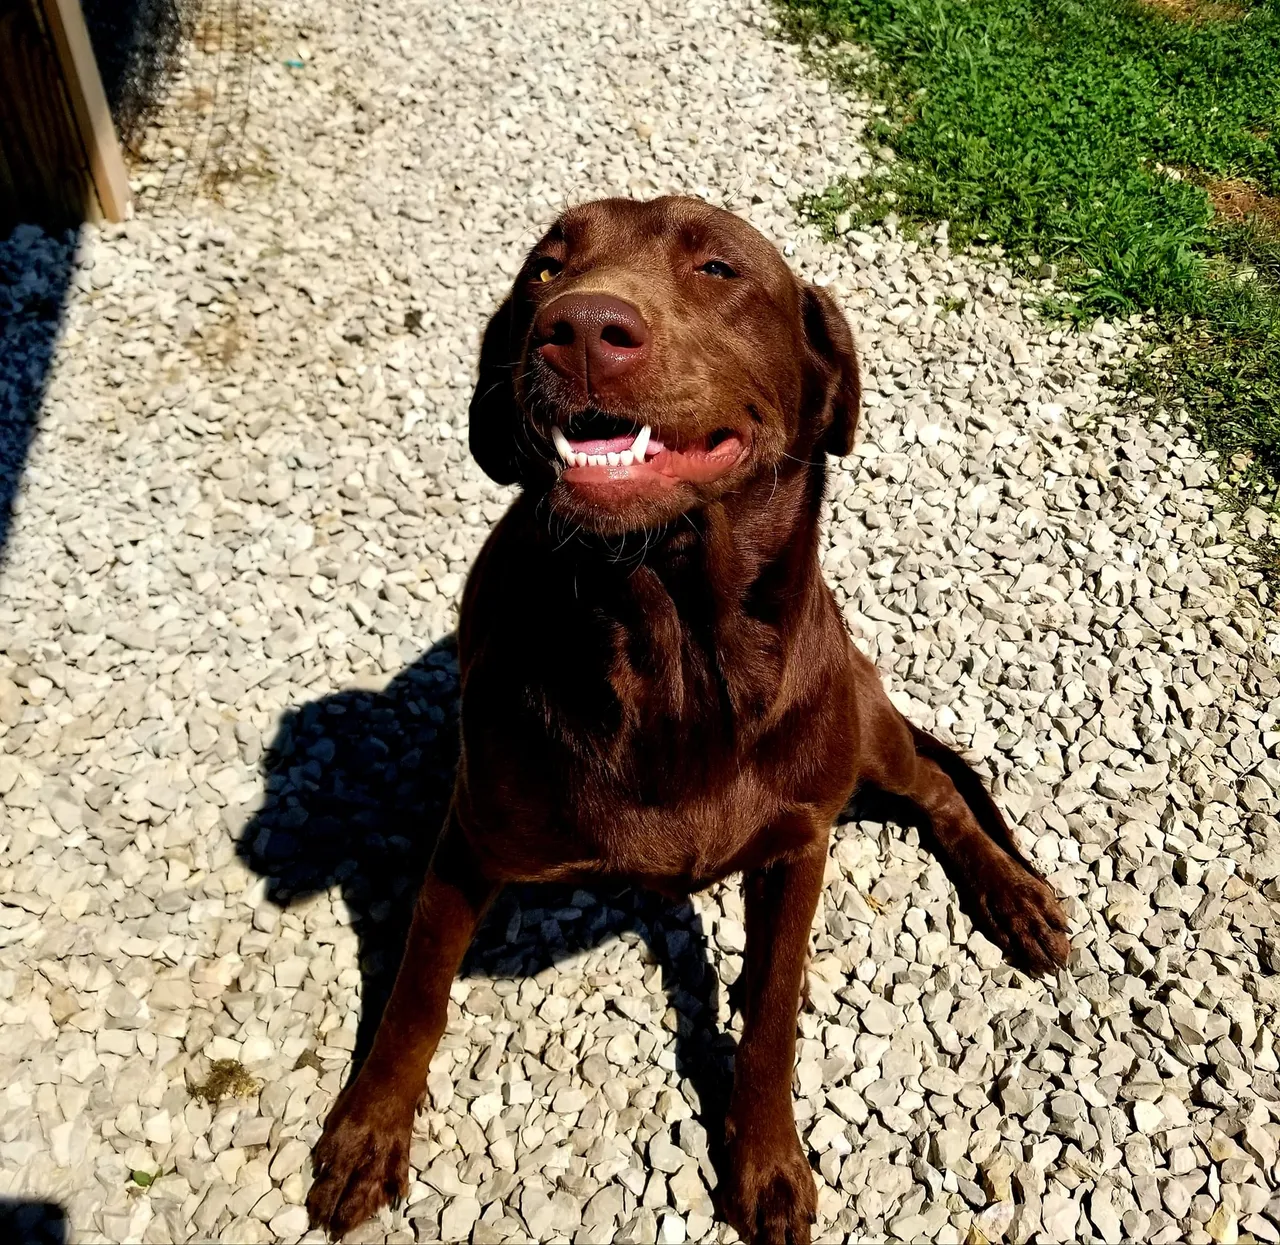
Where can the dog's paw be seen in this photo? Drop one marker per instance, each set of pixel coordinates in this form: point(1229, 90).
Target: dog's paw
point(1026, 919)
point(361, 1162)
point(770, 1197)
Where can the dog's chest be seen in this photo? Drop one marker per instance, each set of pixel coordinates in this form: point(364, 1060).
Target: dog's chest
point(618, 760)
point(683, 847)
point(625, 724)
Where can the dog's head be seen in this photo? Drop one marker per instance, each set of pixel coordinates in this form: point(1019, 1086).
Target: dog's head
point(652, 357)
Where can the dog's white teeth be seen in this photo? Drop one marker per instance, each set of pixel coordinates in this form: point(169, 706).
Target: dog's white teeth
point(615, 458)
point(563, 448)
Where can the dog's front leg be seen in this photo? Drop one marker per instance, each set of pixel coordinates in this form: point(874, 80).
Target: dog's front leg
point(361, 1161)
point(771, 1198)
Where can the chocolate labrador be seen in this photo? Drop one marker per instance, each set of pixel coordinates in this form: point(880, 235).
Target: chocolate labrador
point(657, 684)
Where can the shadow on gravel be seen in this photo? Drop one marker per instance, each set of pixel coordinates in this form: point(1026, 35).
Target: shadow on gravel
point(135, 44)
point(357, 785)
point(35, 271)
point(32, 1223)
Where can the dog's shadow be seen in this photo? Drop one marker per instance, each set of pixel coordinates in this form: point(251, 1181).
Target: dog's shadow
point(357, 785)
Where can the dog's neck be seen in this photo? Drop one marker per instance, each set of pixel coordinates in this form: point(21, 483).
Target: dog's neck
point(703, 628)
point(725, 591)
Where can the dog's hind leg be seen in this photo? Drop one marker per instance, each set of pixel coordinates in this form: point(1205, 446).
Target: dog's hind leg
point(1013, 901)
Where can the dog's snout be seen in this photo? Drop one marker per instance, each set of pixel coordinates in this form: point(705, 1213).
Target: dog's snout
point(591, 337)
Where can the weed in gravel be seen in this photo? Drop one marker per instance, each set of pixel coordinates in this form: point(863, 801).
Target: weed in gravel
point(227, 1079)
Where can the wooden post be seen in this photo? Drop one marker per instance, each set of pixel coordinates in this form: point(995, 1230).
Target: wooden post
point(60, 161)
point(89, 103)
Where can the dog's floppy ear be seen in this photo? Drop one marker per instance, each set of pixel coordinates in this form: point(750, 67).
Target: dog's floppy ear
point(494, 418)
point(832, 342)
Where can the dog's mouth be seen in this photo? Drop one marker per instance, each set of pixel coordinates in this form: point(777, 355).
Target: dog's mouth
point(599, 449)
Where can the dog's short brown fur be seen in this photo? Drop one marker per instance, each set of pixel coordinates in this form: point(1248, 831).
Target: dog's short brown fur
point(657, 683)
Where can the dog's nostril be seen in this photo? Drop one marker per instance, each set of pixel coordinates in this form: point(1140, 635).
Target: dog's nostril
point(616, 335)
point(590, 338)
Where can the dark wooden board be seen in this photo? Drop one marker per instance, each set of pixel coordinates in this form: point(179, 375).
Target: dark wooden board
point(59, 159)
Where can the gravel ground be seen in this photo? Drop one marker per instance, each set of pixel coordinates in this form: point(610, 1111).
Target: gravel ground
point(227, 696)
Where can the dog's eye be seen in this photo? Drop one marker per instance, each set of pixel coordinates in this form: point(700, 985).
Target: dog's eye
point(547, 269)
point(718, 268)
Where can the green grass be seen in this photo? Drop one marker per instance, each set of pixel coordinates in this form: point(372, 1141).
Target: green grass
point(1082, 134)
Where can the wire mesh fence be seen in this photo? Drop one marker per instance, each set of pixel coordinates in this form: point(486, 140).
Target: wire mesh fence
point(178, 76)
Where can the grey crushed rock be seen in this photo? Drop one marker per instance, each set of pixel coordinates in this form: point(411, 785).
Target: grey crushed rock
point(249, 493)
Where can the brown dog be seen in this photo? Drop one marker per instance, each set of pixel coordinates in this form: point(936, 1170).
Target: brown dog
point(656, 682)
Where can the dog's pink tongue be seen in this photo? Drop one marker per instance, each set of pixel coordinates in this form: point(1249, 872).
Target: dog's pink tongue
point(605, 445)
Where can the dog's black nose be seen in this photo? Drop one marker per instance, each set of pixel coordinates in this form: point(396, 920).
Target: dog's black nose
point(591, 337)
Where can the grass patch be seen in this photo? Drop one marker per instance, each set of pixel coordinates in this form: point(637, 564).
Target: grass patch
point(1132, 149)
